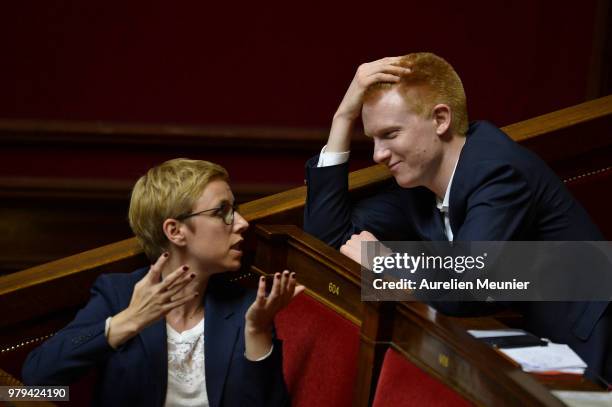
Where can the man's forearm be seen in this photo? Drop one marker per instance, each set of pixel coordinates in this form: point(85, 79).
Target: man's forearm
point(340, 134)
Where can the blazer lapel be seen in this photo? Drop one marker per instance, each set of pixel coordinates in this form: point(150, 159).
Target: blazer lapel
point(156, 347)
point(220, 335)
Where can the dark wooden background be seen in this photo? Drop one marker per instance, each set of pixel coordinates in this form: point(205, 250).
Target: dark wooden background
point(94, 93)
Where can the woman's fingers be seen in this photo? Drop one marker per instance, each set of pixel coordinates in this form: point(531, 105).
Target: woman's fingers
point(261, 292)
point(284, 288)
point(283, 283)
point(156, 268)
point(287, 290)
point(291, 284)
point(153, 298)
point(177, 287)
point(275, 291)
point(172, 277)
point(183, 279)
point(293, 288)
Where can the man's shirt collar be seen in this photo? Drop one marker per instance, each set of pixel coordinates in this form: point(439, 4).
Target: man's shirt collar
point(443, 204)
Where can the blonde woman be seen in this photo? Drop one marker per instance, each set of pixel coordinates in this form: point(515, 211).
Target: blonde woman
point(174, 334)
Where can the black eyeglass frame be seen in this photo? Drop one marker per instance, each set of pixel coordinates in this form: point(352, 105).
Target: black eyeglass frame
point(228, 217)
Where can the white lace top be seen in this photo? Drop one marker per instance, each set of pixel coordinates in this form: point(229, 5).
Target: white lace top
point(186, 377)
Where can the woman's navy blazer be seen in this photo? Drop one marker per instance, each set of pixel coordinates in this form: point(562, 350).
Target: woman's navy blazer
point(137, 372)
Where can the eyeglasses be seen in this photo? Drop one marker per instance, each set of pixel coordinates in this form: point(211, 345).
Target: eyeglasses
point(224, 211)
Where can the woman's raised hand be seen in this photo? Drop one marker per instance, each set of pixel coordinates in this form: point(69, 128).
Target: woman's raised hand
point(151, 300)
point(260, 315)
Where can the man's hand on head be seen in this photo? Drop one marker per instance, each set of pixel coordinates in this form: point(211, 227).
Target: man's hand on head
point(383, 70)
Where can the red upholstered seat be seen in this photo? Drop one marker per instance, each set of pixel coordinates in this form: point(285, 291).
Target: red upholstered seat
point(320, 353)
point(401, 383)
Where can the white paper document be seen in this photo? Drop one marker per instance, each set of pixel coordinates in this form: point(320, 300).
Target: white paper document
point(552, 358)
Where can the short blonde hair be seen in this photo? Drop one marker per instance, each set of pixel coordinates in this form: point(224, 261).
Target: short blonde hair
point(436, 82)
point(167, 191)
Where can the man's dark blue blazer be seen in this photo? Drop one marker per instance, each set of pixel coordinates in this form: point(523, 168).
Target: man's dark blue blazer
point(500, 192)
point(136, 374)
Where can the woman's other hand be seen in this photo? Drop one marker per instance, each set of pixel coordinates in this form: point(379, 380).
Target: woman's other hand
point(260, 315)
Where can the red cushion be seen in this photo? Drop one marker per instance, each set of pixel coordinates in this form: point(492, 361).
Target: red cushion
point(401, 383)
point(320, 350)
